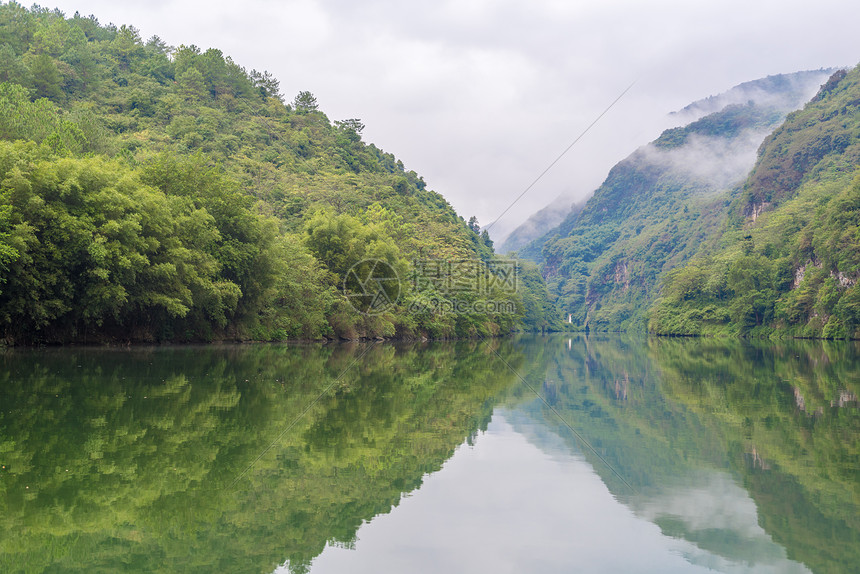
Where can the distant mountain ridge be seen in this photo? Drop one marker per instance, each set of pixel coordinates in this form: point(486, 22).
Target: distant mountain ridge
point(525, 239)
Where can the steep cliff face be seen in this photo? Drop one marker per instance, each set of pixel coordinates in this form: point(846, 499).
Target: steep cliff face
point(789, 259)
point(658, 207)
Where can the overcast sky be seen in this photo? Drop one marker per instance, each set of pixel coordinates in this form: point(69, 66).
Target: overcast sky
point(480, 96)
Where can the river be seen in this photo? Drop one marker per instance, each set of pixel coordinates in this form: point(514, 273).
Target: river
point(537, 454)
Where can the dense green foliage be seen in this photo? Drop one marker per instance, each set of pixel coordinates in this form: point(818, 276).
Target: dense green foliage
point(158, 193)
point(788, 260)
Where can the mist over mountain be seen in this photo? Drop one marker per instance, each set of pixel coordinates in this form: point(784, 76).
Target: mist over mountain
point(776, 94)
point(662, 204)
point(781, 91)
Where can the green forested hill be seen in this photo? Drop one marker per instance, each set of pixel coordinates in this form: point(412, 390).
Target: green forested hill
point(158, 193)
point(659, 207)
point(789, 259)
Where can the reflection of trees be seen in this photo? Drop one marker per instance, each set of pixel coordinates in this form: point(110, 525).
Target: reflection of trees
point(124, 460)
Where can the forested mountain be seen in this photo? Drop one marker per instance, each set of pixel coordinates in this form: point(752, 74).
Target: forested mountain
point(158, 193)
point(789, 259)
point(782, 92)
point(661, 205)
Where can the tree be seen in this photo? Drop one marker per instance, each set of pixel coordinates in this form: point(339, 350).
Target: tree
point(12, 69)
point(126, 46)
point(305, 102)
point(192, 83)
point(266, 84)
point(47, 80)
point(156, 44)
point(474, 225)
point(485, 237)
point(353, 124)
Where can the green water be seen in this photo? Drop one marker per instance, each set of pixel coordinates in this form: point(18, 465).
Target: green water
point(534, 454)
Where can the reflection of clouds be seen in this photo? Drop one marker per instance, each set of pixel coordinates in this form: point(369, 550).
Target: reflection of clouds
point(520, 501)
point(713, 502)
point(717, 502)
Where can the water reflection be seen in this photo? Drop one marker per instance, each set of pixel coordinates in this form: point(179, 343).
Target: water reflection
point(507, 506)
point(520, 501)
point(126, 461)
point(665, 415)
point(642, 456)
point(721, 522)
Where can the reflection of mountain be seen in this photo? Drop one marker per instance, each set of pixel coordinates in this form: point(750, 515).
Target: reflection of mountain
point(678, 426)
point(526, 421)
point(705, 508)
point(793, 439)
point(133, 461)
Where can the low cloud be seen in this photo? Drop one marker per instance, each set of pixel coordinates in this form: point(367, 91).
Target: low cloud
point(715, 162)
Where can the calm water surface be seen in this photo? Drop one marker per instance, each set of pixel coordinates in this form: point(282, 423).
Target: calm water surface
point(534, 454)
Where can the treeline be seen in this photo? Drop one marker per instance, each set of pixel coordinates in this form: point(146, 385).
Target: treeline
point(789, 259)
point(151, 193)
